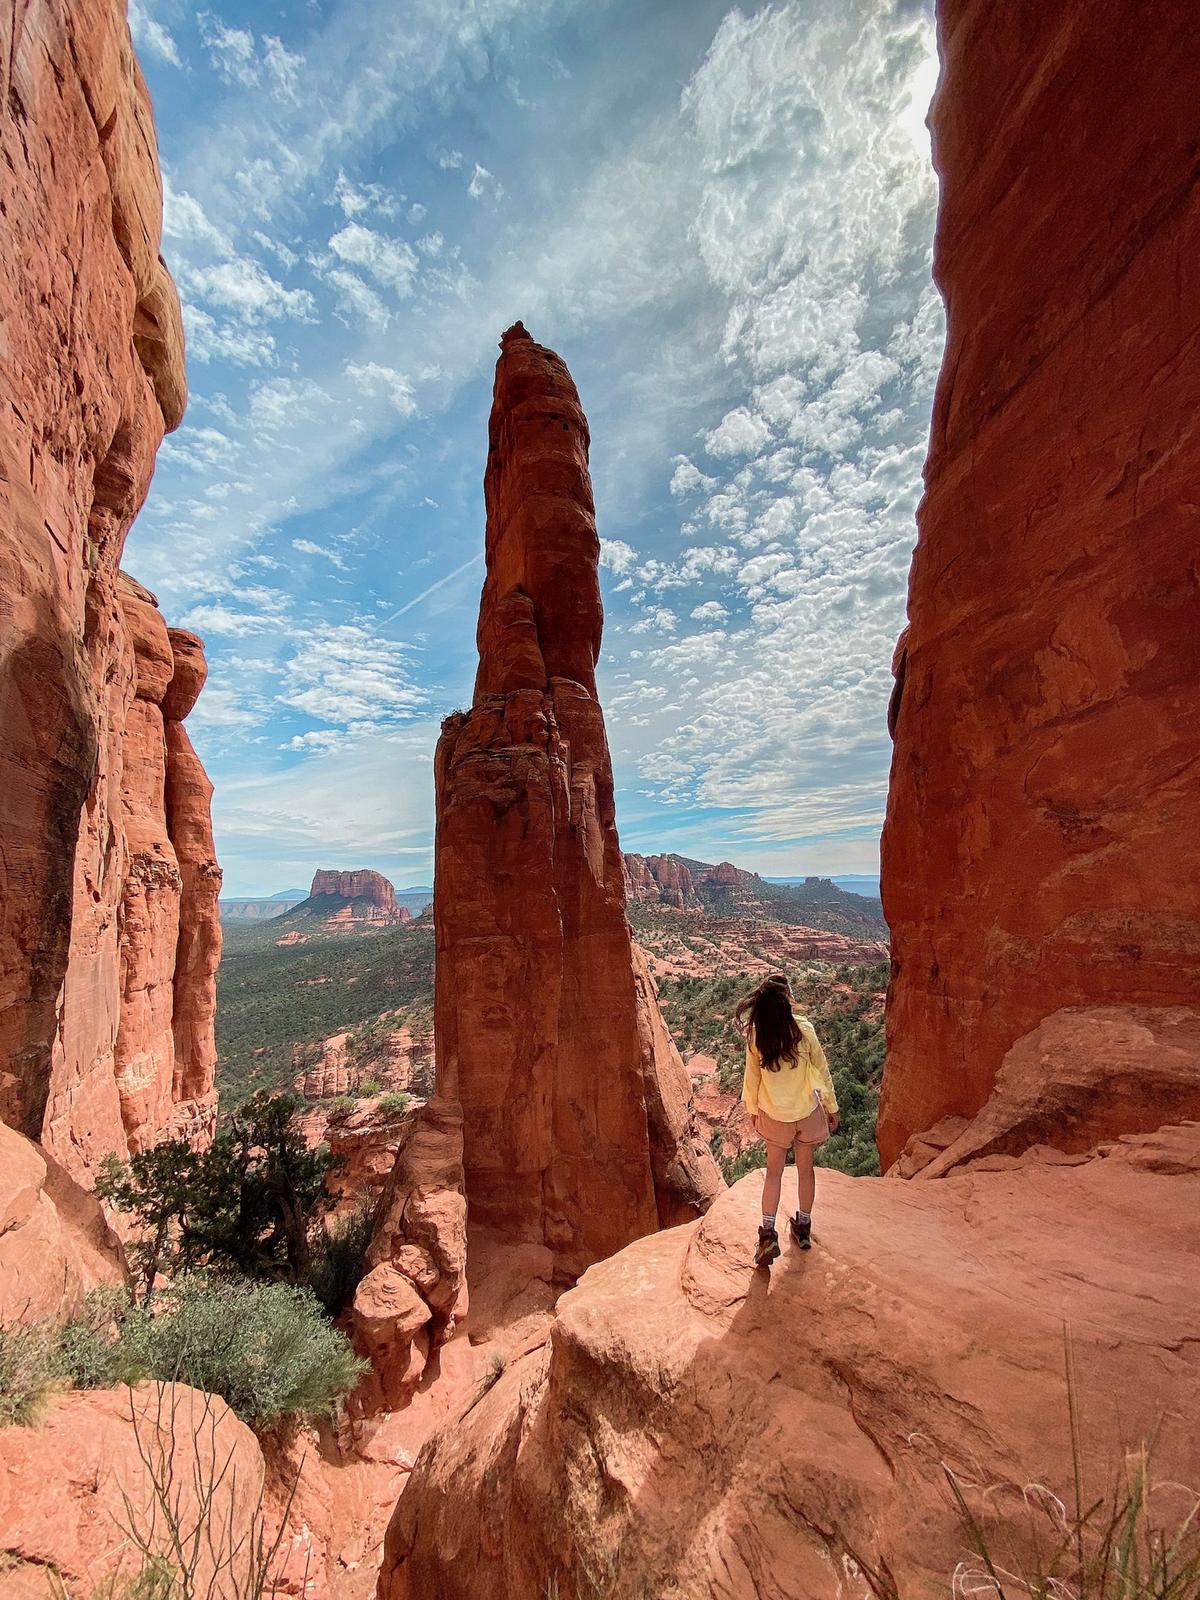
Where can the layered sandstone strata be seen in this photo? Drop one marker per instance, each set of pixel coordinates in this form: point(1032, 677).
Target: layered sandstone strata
point(346, 898)
point(135, 1054)
point(662, 879)
point(576, 1129)
point(91, 374)
point(108, 938)
point(1041, 848)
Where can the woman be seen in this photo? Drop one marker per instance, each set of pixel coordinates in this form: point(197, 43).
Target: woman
point(789, 1093)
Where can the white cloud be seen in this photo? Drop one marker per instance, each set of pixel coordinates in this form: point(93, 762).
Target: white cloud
point(307, 547)
point(221, 619)
point(239, 59)
point(356, 198)
point(739, 433)
point(342, 673)
point(617, 556)
point(660, 620)
point(688, 479)
point(373, 378)
point(355, 296)
point(483, 183)
point(150, 35)
point(246, 289)
point(231, 50)
point(391, 262)
point(710, 611)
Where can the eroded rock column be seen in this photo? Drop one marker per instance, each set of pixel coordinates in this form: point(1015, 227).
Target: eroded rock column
point(539, 1032)
point(1042, 846)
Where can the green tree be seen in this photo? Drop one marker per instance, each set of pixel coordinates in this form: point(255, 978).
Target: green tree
point(244, 1203)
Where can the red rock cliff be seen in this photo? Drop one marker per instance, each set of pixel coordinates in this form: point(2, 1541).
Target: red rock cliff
point(1042, 847)
point(364, 885)
point(539, 1026)
point(92, 757)
point(664, 879)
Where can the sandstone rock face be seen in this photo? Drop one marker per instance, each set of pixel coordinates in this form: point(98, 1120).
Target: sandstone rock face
point(1041, 848)
point(343, 899)
point(72, 1488)
point(54, 1242)
point(135, 1054)
point(537, 1009)
point(703, 1430)
point(662, 879)
point(1080, 1078)
point(364, 1143)
point(370, 886)
point(100, 885)
point(415, 1291)
point(91, 373)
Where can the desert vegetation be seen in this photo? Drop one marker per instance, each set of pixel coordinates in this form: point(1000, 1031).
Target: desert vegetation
point(235, 1277)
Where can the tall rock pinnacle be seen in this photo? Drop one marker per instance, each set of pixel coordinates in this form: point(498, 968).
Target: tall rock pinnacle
point(577, 1127)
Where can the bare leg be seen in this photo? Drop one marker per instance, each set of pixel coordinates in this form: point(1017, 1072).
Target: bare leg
point(773, 1182)
point(806, 1178)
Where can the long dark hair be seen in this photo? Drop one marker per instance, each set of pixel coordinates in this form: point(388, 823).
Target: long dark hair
point(769, 1012)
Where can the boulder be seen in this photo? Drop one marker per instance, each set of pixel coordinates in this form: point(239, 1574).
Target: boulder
point(77, 1492)
point(55, 1244)
point(693, 1427)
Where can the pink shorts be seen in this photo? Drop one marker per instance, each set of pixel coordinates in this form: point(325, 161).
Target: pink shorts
point(812, 1129)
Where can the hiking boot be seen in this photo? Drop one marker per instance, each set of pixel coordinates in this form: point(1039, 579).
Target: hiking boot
point(801, 1232)
point(768, 1247)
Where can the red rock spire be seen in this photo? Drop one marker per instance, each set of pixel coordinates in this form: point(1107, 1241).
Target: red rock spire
point(577, 1129)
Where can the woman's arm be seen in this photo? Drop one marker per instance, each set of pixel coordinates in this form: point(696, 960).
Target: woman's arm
point(820, 1066)
point(753, 1075)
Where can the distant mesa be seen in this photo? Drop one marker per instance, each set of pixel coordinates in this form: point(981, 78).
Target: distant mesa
point(346, 899)
point(338, 898)
point(682, 884)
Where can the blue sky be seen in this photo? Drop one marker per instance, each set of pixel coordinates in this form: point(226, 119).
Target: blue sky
point(721, 218)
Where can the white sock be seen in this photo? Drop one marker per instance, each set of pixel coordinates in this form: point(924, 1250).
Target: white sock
point(768, 1219)
point(803, 1216)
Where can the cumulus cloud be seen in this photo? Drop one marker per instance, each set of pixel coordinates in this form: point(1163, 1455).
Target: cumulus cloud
point(342, 673)
point(617, 556)
point(391, 262)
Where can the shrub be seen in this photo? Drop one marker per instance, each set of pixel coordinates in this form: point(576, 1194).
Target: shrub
point(338, 1260)
point(103, 1345)
point(244, 1203)
point(265, 1348)
point(28, 1372)
point(368, 1088)
point(342, 1105)
point(394, 1102)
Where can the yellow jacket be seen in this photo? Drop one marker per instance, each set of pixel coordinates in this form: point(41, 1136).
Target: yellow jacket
point(791, 1093)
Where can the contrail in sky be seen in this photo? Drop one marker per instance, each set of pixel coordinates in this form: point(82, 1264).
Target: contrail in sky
point(432, 589)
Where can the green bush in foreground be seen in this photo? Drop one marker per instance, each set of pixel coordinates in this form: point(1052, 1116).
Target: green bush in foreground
point(265, 1348)
point(394, 1102)
point(29, 1371)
